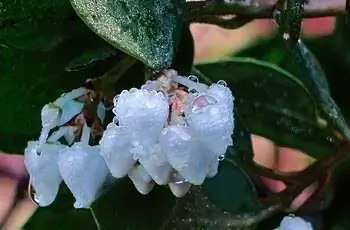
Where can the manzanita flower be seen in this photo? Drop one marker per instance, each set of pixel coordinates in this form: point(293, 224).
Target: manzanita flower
point(141, 116)
point(142, 181)
point(172, 131)
point(292, 222)
point(84, 171)
point(48, 162)
point(165, 135)
point(43, 170)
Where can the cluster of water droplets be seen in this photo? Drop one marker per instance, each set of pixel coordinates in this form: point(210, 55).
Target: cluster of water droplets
point(153, 139)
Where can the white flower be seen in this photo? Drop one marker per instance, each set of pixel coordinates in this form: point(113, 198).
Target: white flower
point(292, 222)
point(115, 148)
point(84, 172)
point(60, 112)
point(145, 114)
point(141, 179)
point(211, 122)
point(43, 170)
point(185, 154)
point(141, 115)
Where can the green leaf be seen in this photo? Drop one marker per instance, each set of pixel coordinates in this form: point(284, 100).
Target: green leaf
point(272, 103)
point(316, 79)
point(183, 60)
point(146, 30)
point(91, 57)
point(231, 190)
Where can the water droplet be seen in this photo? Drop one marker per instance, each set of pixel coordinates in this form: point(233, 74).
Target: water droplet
point(222, 82)
point(221, 158)
point(193, 91)
point(115, 100)
point(33, 196)
point(193, 78)
point(115, 120)
point(114, 110)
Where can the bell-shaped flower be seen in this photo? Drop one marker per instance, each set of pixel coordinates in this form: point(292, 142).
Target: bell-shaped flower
point(141, 179)
point(115, 146)
point(156, 164)
point(292, 222)
point(144, 112)
point(211, 122)
point(43, 170)
point(84, 171)
point(185, 154)
point(222, 94)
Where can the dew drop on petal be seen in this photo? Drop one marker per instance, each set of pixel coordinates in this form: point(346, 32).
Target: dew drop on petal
point(84, 171)
point(193, 78)
point(43, 171)
point(141, 179)
point(222, 82)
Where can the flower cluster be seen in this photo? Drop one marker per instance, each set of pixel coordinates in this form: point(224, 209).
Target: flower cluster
point(172, 131)
point(292, 222)
point(153, 144)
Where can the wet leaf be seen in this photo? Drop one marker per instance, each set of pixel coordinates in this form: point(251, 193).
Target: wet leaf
point(272, 103)
point(146, 30)
point(91, 57)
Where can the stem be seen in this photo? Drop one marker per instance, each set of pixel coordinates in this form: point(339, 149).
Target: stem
point(85, 136)
point(259, 8)
point(95, 218)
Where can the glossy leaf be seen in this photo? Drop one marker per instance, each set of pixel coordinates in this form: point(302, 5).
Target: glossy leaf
point(91, 57)
point(272, 103)
point(146, 30)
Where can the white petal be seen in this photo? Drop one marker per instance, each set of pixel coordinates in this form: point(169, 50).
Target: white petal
point(222, 94)
point(69, 110)
point(157, 166)
point(176, 142)
point(69, 135)
point(179, 189)
point(101, 112)
point(178, 186)
point(74, 94)
point(144, 113)
point(185, 154)
point(213, 124)
point(43, 171)
point(50, 115)
point(141, 179)
point(213, 167)
point(294, 223)
point(84, 172)
point(115, 148)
